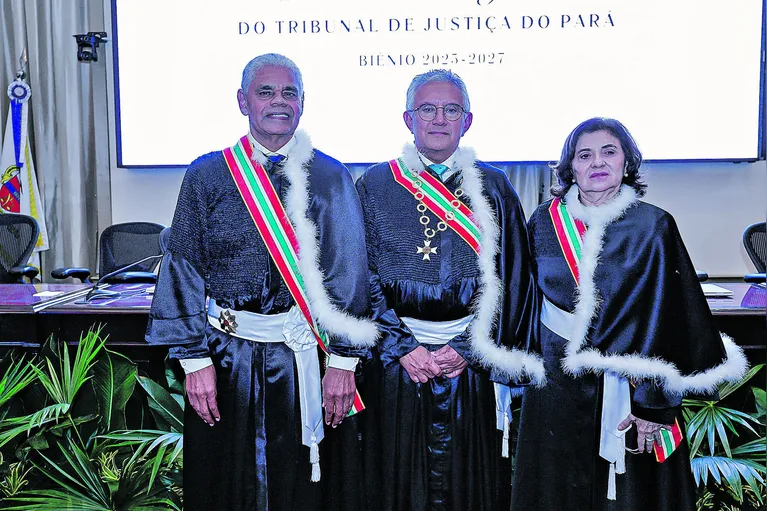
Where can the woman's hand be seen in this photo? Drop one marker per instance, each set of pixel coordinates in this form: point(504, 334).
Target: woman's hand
point(647, 432)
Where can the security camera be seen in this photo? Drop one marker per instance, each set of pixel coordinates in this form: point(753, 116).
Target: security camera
point(87, 44)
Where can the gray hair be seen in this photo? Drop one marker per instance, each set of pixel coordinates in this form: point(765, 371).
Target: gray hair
point(437, 75)
point(270, 59)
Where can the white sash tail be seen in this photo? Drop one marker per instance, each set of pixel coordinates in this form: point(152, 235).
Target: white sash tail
point(440, 333)
point(616, 400)
point(292, 329)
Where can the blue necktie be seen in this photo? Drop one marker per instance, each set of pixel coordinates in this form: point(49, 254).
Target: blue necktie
point(439, 169)
point(275, 160)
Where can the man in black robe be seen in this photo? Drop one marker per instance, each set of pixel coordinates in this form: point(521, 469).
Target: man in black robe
point(452, 308)
point(224, 308)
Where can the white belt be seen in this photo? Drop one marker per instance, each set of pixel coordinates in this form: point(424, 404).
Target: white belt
point(440, 333)
point(292, 329)
point(436, 332)
point(616, 399)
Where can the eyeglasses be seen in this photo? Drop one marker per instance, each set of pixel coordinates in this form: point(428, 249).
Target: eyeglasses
point(427, 111)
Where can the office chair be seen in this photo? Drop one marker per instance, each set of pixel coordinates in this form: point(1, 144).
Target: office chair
point(755, 242)
point(164, 238)
point(18, 236)
point(121, 245)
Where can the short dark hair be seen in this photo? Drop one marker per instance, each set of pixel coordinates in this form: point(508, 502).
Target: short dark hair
point(563, 169)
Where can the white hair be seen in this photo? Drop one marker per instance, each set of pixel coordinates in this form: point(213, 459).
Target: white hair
point(437, 75)
point(270, 59)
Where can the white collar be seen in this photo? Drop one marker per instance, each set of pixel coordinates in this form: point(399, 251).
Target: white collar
point(449, 163)
point(283, 151)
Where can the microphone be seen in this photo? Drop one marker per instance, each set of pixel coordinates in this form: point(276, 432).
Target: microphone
point(100, 292)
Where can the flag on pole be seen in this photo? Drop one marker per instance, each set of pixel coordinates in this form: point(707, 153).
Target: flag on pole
point(18, 182)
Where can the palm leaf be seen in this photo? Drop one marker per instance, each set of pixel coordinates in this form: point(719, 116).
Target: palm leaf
point(146, 440)
point(53, 500)
point(114, 377)
point(167, 413)
point(760, 398)
point(17, 377)
point(757, 446)
point(728, 388)
point(14, 426)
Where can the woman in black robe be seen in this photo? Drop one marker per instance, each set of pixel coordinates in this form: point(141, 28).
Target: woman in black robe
point(625, 332)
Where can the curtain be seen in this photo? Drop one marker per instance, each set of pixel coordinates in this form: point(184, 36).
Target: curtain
point(70, 151)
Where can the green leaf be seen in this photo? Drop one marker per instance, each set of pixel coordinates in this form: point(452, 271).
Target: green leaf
point(760, 397)
point(114, 378)
point(728, 388)
point(53, 500)
point(729, 471)
point(167, 413)
point(18, 375)
point(756, 446)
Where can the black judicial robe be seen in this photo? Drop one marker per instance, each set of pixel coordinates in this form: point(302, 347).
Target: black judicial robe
point(651, 307)
point(439, 447)
point(253, 458)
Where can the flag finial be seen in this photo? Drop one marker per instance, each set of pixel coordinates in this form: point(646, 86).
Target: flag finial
point(23, 60)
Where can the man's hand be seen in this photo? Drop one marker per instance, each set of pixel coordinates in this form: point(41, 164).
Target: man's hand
point(420, 365)
point(449, 361)
point(201, 392)
point(647, 432)
point(338, 389)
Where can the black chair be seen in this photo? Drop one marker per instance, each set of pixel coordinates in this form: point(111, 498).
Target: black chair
point(164, 237)
point(121, 245)
point(755, 241)
point(18, 236)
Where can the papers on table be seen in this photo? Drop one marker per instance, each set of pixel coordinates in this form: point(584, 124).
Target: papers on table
point(714, 291)
point(47, 294)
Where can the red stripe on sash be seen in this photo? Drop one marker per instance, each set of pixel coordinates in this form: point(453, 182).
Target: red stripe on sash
point(433, 207)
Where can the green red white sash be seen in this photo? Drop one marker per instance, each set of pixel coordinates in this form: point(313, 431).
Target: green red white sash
point(440, 201)
point(569, 233)
point(671, 440)
point(275, 229)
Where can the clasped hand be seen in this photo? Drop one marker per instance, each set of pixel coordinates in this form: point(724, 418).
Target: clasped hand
point(422, 365)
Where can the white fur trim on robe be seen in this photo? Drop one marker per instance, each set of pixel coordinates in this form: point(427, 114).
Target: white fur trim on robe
point(580, 358)
point(509, 363)
point(359, 332)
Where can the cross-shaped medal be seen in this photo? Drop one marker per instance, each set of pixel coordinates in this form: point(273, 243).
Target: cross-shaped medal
point(426, 250)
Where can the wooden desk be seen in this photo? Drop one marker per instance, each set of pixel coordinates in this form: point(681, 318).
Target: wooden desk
point(742, 316)
point(28, 319)
point(746, 300)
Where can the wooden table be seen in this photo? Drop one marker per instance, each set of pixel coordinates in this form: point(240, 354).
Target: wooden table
point(27, 319)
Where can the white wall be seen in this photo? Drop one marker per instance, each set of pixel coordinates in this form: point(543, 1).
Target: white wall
point(712, 204)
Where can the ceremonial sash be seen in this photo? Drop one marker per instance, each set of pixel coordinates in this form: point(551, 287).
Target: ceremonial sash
point(440, 201)
point(275, 229)
point(670, 441)
point(569, 233)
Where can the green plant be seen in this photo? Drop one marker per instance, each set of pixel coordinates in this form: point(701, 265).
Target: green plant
point(728, 474)
point(68, 441)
